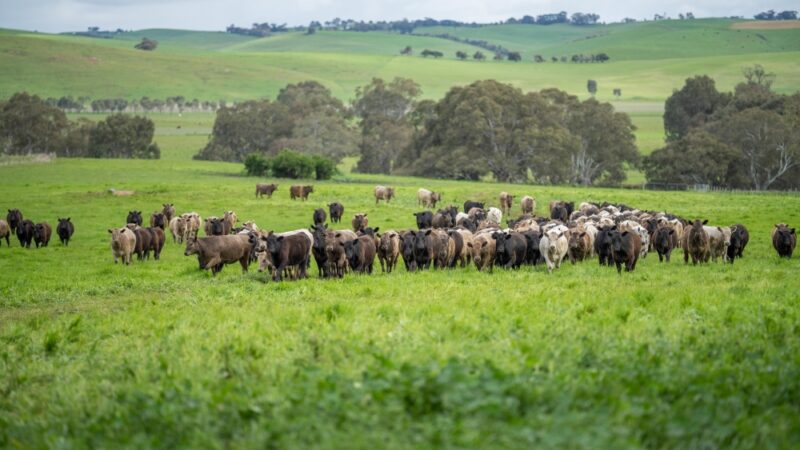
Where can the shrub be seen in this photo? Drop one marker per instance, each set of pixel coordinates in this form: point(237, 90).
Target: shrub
point(290, 164)
point(324, 167)
point(256, 165)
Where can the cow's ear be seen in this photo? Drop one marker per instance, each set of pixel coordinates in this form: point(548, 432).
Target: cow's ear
point(671, 232)
point(428, 232)
point(375, 230)
point(583, 234)
point(624, 233)
point(469, 244)
point(792, 230)
point(337, 235)
point(705, 221)
point(280, 238)
point(110, 230)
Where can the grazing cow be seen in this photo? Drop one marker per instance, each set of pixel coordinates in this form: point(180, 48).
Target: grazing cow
point(123, 244)
point(784, 240)
point(407, 241)
point(318, 248)
point(65, 230)
point(528, 204)
point(533, 254)
point(388, 250)
point(442, 220)
point(383, 193)
point(602, 245)
point(265, 189)
point(718, 241)
point(494, 215)
point(428, 198)
point(169, 212)
point(158, 219)
point(144, 241)
point(359, 222)
point(510, 249)
point(25, 233)
point(469, 204)
point(300, 192)
point(230, 219)
point(337, 210)
point(483, 250)
point(289, 250)
point(157, 240)
point(178, 228)
point(664, 241)
point(739, 239)
point(424, 219)
point(42, 233)
point(627, 246)
point(506, 201)
point(579, 246)
point(213, 252)
point(696, 243)
point(334, 251)
point(14, 218)
point(134, 217)
point(319, 216)
point(361, 254)
point(476, 215)
point(5, 232)
point(553, 245)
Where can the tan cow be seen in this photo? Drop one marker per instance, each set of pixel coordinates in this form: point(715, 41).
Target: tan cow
point(123, 243)
point(383, 193)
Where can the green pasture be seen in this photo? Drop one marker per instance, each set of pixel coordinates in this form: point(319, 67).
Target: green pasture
point(161, 355)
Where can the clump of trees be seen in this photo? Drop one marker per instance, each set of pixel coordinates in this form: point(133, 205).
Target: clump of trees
point(177, 104)
point(772, 15)
point(146, 44)
point(258, 29)
point(435, 53)
point(747, 139)
point(290, 164)
point(29, 125)
point(305, 117)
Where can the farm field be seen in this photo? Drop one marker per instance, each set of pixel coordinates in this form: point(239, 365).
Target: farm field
point(160, 354)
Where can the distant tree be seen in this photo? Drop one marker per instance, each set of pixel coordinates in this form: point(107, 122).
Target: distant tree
point(538, 58)
point(786, 15)
point(28, 125)
point(628, 20)
point(436, 54)
point(766, 15)
point(311, 30)
point(528, 20)
point(406, 51)
point(591, 86)
point(758, 76)
point(461, 55)
point(498, 57)
point(514, 56)
point(617, 92)
point(698, 158)
point(123, 136)
point(147, 44)
point(584, 19)
point(554, 59)
point(479, 56)
point(692, 106)
point(601, 57)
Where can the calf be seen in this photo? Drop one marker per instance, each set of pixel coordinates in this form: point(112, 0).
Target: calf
point(157, 240)
point(579, 247)
point(696, 243)
point(14, 218)
point(506, 201)
point(388, 250)
point(553, 245)
point(528, 204)
point(483, 251)
point(134, 217)
point(5, 232)
point(158, 219)
point(424, 219)
point(469, 204)
point(169, 211)
point(178, 228)
point(65, 230)
point(216, 227)
point(784, 240)
point(664, 241)
point(123, 243)
point(25, 230)
point(383, 193)
point(319, 216)
point(626, 247)
point(213, 252)
point(359, 222)
point(337, 210)
point(265, 189)
point(510, 249)
point(361, 253)
point(41, 234)
point(739, 239)
point(300, 192)
point(318, 249)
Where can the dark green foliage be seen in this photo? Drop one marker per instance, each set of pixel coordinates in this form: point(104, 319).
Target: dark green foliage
point(435, 53)
point(256, 165)
point(692, 106)
point(324, 168)
point(147, 44)
point(591, 86)
point(290, 164)
point(461, 55)
point(28, 125)
point(514, 56)
point(123, 136)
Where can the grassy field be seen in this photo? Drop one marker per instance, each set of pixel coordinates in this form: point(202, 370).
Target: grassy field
point(162, 355)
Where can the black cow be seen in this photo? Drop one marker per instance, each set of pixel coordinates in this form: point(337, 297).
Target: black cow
point(135, 217)
point(784, 239)
point(664, 241)
point(25, 230)
point(318, 248)
point(739, 239)
point(319, 216)
point(602, 245)
point(510, 249)
point(14, 218)
point(65, 230)
point(532, 253)
point(337, 210)
point(286, 251)
point(407, 241)
point(424, 219)
point(626, 247)
point(469, 204)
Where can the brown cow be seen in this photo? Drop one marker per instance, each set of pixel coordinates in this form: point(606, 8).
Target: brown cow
point(265, 189)
point(784, 240)
point(383, 193)
point(580, 246)
point(158, 219)
point(41, 234)
point(483, 249)
point(360, 221)
point(213, 252)
point(334, 251)
point(123, 243)
point(168, 211)
point(625, 249)
point(5, 231)
point(696, 243)
point(388, 250)
point(144, 241)
point(300, 192)
point(506, 200)
point(157, 241)
point(528, 204)
point(361, 253)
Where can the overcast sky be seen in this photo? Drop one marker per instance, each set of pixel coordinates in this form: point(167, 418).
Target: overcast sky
point(74, 15)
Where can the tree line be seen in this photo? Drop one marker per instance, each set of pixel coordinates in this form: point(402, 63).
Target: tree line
point(145, 104)
point(745, 139)
point(486, 128)
point(772, 15)
point(29, 125)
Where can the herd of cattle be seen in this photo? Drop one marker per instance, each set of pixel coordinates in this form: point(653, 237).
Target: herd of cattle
point(616, 234)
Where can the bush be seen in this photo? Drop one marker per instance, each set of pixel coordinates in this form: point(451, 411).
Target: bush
point(290, 164)
point(256, 165)
point(324, 167)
